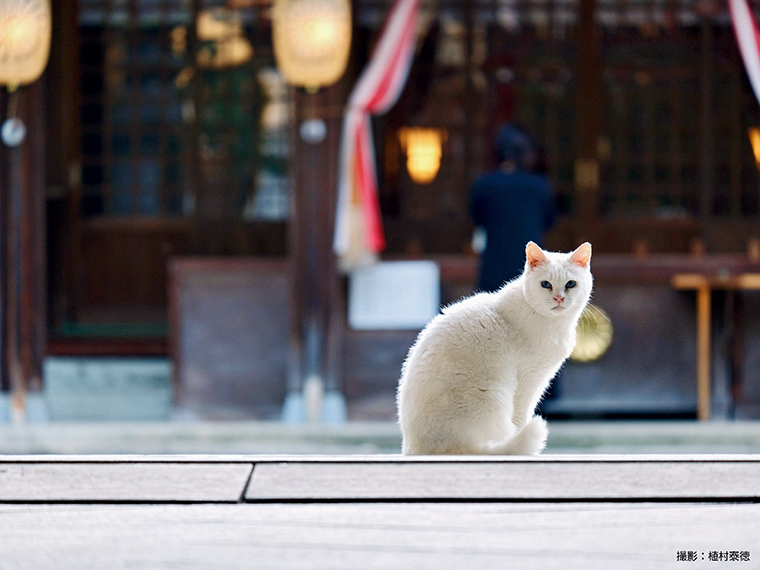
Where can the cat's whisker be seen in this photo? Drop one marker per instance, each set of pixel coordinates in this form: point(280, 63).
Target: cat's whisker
point(586, 316)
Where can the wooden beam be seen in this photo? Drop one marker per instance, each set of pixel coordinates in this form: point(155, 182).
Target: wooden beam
point(539, 536)
point(389, 478)
point(542, 479)
point(131, 481)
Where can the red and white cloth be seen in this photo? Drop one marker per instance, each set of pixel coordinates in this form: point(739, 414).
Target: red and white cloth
point(748, 38)
point(359, 233)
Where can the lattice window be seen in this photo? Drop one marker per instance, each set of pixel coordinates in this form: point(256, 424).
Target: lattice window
point(133, 130)
point(169, 133)
point(173, 96)
point(677, 114)
point(676, 108)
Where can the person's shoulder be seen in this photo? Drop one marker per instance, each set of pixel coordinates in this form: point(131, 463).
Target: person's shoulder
point(491, 179)
point(533, 176)
point(536, 180)
point(495, 174)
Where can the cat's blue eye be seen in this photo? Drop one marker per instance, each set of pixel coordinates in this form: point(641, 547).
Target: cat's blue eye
point(546, 285)
point(570, 284)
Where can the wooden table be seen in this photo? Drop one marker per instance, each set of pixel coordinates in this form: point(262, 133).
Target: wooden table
point(568, 512)
point(704, 284)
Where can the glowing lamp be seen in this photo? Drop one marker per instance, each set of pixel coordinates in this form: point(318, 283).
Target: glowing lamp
point(25, 27)
point(223, 29)
point(423, 147)
point(312, 39)
point(754, 140)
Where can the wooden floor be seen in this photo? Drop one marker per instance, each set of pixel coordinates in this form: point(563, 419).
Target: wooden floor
point(364, 512)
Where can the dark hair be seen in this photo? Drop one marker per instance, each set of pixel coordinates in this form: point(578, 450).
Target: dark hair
point(515, 145)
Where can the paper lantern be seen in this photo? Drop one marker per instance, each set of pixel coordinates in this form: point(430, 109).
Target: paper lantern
point(25, 27)
point(312, 39)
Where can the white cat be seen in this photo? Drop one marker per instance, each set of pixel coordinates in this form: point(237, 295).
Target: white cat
point(473, 378)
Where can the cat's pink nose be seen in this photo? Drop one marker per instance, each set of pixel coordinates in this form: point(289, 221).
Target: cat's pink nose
point(559, 298)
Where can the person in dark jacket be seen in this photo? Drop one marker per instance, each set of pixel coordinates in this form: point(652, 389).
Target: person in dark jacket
point(513, 205)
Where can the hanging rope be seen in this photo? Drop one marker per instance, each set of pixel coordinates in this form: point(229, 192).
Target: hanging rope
point(748, 39)
point(359, 233)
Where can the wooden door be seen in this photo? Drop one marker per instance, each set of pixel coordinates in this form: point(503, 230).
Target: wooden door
point(173, 157)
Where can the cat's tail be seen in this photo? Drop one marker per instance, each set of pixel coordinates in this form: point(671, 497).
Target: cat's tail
point(530, 440)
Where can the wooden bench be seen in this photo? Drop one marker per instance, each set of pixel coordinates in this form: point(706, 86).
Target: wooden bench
point(378, 511)
point(704, 285)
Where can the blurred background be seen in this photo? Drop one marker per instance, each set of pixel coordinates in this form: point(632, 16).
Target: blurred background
point(167, 223)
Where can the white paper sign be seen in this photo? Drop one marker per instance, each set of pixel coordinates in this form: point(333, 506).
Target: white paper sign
point(394, 295)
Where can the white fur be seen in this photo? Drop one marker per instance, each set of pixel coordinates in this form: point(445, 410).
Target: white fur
point(473, 378)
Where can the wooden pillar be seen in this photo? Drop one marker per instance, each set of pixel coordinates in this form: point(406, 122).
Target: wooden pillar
point(63, 109)
point(317, 301)
point(22, 262)
point(589, 108)
point(707, 118)
point(703, 352)
point(4, 191)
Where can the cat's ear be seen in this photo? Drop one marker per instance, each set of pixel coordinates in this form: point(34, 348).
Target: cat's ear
point(582, 255)
point(534, 255)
